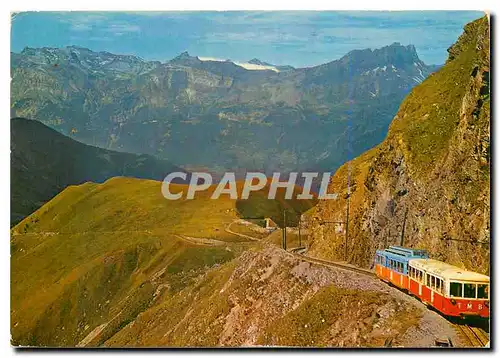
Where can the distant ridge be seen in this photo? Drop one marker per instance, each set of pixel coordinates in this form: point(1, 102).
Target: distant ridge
point(44, 162)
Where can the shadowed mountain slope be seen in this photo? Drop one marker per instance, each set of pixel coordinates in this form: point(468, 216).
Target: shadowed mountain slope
point(43, 162)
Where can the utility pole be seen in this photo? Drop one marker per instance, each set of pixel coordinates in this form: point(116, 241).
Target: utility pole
point(347, 226)
point(300, 222)
point(403, 230)
point(284, 229)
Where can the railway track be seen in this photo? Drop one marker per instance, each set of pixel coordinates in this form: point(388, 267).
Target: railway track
point(341, 265)
point(476, 336)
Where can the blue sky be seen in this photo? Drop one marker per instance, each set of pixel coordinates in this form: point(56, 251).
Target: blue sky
point(296, 38)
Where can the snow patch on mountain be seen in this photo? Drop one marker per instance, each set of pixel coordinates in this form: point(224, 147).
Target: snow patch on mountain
point(245, 65)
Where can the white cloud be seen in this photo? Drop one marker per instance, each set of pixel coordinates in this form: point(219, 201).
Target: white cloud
point(103, 23)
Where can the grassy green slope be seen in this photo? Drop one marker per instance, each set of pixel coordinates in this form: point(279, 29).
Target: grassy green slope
point(90, 256)
point(99, 254)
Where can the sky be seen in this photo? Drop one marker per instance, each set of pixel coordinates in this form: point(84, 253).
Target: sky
point(297, 38)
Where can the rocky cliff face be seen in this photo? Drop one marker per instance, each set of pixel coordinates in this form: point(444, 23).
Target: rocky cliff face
point(433, 168)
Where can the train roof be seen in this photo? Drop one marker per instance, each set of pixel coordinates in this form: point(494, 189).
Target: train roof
point(404, 252)
point(447, 271)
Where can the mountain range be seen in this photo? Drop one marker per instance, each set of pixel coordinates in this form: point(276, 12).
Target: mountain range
point(216, 114)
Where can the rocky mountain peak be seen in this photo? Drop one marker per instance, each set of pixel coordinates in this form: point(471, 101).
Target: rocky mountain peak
point(185, 59)
point(256, 61)
point(395, 54)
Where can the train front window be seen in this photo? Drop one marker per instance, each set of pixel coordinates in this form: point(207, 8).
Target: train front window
point(482, 291)
point(469, 290)
point(455, 289)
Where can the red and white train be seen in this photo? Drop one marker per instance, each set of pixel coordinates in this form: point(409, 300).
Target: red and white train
point(452, 291)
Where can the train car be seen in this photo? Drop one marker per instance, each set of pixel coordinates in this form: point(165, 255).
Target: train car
point(391, 265)
point(452, 291)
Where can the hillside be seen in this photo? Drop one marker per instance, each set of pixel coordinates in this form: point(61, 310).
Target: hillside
point(434, 165)
point(266, 297)
point(44, 162)
point(136, 270)
point(216, 114)
point(126, 246)
point(103, 253)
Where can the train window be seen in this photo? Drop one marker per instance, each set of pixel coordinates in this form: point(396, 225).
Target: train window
point(482, 291)
point(440, 285)
point(455, 289)
point(428, 281)
point(469, 290)
point(433, 282)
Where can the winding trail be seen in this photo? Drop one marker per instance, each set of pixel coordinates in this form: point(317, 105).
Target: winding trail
point(228, 230)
